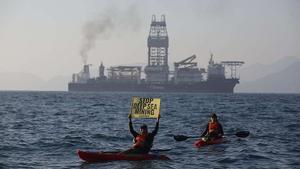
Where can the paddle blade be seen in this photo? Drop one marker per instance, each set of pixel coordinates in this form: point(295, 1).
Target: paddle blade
point(161, 150)
point(180, 137)
point(242, 134)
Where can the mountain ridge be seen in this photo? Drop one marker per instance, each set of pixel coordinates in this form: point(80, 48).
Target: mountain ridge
point(284, 81)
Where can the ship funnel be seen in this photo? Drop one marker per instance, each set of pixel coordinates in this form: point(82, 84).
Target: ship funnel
point(86, 72)
point(86, 69)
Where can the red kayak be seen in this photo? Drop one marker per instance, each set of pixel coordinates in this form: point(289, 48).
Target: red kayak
point(116, 156)
point(200, 143)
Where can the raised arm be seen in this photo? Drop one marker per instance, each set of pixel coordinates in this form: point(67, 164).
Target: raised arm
point(134, 133)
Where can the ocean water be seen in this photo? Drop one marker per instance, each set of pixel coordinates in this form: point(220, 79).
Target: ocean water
point(44, 129)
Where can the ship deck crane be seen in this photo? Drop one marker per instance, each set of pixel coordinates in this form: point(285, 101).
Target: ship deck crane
point(186, 63)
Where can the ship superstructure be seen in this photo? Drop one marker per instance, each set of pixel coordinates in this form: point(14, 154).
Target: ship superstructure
point(186, 76)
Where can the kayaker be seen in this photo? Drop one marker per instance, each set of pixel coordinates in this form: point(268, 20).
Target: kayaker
point(142, 141)
point(213, 129)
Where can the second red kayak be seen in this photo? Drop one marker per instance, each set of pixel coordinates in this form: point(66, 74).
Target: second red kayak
point(116, 156)
point(200, 143)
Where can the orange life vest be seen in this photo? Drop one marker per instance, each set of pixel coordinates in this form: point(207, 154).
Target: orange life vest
point(213, 126)
point(139, 141)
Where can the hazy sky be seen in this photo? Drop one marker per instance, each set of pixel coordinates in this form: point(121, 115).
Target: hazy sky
point(45, 37)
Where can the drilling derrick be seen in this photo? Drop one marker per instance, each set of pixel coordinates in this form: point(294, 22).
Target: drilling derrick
point(157, 70)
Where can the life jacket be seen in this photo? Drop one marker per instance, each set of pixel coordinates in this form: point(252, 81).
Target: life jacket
point(213, 126)
point(139, 141)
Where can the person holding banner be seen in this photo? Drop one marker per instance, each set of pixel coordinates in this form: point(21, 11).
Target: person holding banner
point(214, 129)
point(143, 141)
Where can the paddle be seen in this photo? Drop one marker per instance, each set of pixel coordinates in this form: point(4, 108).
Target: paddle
point(160, 150)
point(241, 134)
point(183, 137)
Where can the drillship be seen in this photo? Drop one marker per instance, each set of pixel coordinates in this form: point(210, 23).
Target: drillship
point(186, 76)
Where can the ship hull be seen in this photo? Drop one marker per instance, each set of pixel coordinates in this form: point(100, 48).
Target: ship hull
point(209, 86)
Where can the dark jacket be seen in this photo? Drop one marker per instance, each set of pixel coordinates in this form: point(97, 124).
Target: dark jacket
point(149, 139)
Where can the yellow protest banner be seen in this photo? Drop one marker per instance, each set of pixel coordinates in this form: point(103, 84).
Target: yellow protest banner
point(145, 107)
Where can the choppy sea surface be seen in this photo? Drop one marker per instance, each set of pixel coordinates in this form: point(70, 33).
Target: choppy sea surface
point(44, 129)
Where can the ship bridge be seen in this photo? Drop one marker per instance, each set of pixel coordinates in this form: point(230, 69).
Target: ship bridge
point(218, 70)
